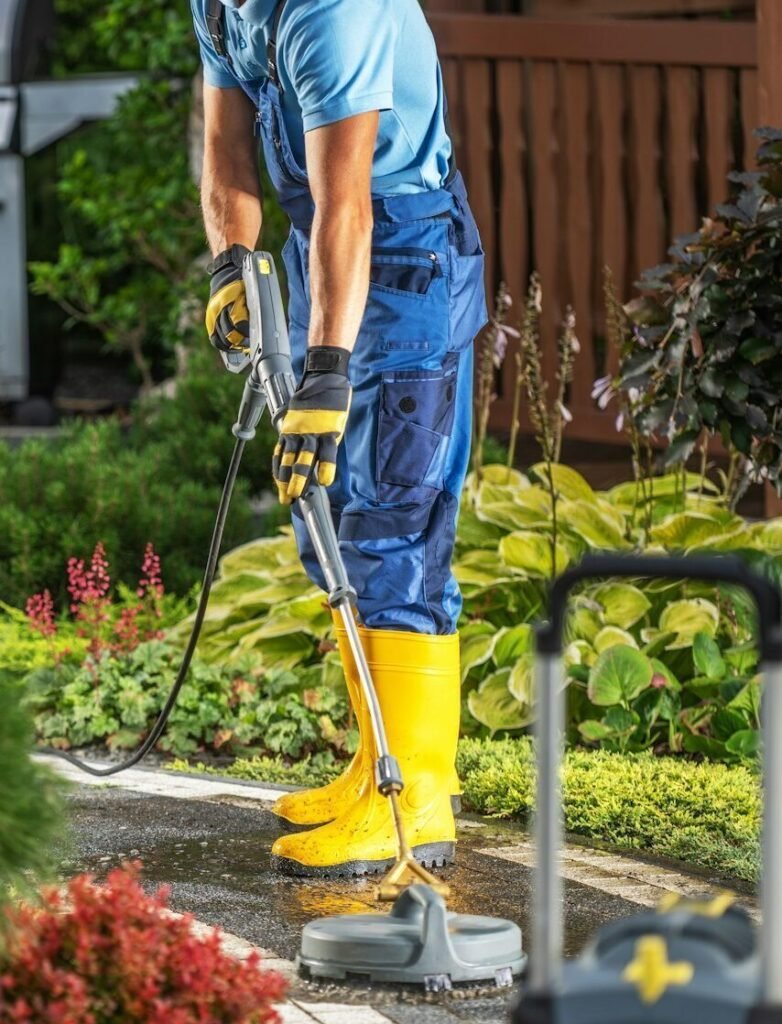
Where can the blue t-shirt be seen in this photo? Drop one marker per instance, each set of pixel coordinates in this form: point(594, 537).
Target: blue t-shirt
point(338, 58)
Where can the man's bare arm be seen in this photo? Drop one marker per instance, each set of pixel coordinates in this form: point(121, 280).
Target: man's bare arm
point(339, 167)
point(230, 186)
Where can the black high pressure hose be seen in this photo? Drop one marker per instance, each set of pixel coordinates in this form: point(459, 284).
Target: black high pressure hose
point(209, 575)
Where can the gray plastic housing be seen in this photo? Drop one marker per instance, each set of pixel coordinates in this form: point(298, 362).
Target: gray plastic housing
point(420, 942)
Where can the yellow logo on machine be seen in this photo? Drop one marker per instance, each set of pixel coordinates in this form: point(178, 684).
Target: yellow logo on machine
point(716, 907)
point(264, 265)
point(652, 973)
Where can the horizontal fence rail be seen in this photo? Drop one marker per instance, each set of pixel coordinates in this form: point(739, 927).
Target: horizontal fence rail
point(592, 144)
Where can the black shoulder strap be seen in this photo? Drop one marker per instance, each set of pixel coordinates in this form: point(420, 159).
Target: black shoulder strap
point(215, 26)
point(271, 46)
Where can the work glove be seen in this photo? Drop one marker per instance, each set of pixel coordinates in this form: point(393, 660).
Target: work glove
point(227, 319)
point(314, 423)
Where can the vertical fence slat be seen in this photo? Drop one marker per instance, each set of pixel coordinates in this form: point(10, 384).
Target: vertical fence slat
point(719, 94)
point(750, 115)
point(545, 205)
point(646, 202)
point(611, 206)
point(681, 88)
point(478, 150)
point(514, 249)
point(513, 199)
point(576, 160)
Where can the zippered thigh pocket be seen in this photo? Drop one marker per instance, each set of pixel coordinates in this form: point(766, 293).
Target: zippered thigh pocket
point(404, 270)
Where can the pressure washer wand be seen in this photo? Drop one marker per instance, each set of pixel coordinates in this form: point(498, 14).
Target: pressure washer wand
point(271, 383)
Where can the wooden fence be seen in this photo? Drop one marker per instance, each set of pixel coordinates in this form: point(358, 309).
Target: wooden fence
point(595, 8)
point(592, 144)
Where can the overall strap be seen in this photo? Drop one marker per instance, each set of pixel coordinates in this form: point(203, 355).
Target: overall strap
point(271, 46)
point(449, 132)
point(215, 26)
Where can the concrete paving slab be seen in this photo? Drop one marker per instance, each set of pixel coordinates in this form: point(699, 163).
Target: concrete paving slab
point(339, 1013)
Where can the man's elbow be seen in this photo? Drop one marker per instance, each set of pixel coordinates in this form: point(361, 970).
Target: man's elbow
point(350, 215)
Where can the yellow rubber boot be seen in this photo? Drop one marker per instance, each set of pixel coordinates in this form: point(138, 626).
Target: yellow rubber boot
point(309, 807)
point(418, 686)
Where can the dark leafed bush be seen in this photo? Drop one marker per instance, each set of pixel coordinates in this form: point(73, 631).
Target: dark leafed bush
point(706, 351)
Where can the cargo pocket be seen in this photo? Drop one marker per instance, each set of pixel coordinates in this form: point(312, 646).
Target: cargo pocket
point(414, 425)
point(404, 271)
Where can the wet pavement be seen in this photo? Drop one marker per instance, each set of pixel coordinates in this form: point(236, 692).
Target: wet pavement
point(214, 854)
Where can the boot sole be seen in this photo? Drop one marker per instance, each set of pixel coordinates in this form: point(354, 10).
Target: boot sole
point(430, 855)
point(292, 826)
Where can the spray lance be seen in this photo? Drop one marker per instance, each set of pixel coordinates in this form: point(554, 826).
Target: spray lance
point(270, 384)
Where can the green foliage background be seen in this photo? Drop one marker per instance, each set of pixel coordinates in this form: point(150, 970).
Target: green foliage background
point(124, 256)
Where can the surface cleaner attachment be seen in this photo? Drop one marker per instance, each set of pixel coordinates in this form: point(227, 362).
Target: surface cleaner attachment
point(419, 943)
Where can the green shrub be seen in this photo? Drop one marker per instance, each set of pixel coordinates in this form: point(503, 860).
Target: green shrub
point(194, 425)
point(707, 814)
point(308, 771)
point(59, 498)
point(30, 808)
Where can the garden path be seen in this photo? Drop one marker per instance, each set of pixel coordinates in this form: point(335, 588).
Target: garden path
point(209, 840)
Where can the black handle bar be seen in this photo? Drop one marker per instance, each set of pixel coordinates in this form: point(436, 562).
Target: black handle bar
point(704, 568)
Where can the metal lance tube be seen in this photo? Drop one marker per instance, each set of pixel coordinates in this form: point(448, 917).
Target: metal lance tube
point(546, 961)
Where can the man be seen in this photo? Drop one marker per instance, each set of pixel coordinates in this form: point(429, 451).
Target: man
point(385, 275)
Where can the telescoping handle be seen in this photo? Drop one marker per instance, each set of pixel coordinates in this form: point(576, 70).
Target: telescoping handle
point(548, 927)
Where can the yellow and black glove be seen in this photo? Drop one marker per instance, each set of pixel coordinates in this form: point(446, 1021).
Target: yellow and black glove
point(314, 423)
point(227, 319)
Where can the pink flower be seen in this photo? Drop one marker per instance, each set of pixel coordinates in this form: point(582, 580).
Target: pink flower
point(126, 630)
point(658, 681)
point(151, 581)
point(40, 612)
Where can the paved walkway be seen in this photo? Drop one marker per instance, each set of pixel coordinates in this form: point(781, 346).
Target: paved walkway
point(209, 840)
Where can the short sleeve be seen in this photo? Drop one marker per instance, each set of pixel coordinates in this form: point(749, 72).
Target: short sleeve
point(339, 56)
point(215, 71)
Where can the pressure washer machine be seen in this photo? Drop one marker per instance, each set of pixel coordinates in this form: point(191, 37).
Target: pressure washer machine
point(690, 962)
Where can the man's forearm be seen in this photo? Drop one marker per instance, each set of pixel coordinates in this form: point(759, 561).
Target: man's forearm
point(340, 252)
point(231, 203)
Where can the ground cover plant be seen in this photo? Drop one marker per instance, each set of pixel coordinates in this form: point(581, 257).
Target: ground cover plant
point(100, 671)
point(112, 953)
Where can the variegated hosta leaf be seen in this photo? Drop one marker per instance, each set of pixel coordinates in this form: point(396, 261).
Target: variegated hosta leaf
point(529, 552)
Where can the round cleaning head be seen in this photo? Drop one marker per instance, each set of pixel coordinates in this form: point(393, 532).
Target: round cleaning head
point(419, 943)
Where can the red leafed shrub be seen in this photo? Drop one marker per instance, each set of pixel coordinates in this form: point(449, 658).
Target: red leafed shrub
point(111, 954)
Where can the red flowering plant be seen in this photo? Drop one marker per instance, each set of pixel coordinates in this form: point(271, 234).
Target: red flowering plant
point(108, 623)
point(111, 953)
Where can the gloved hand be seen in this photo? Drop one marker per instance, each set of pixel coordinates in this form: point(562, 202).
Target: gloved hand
point(227, 318)
point(314, 423)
